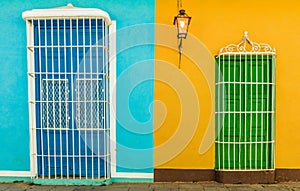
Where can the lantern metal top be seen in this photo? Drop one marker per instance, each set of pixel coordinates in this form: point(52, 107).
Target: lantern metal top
point(246, 46)
point(68, 11)
point(182, 14)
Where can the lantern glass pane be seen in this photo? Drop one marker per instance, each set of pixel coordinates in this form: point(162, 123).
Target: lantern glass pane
point(182, 25)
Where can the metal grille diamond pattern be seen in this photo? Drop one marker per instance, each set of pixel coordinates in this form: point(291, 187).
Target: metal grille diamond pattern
point(90, 106)
point(55, 94)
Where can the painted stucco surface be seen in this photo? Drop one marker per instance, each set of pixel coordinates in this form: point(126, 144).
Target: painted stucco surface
point(217, 24)
point(183, 100)
point(14, 149)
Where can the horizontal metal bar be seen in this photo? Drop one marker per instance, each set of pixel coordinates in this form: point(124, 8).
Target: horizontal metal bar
point(91, 129)
point(56, 80)
point(91, 79)
point(250, 169)
point(64, 17)
point(245, 142)
point(78, 156)
point(247, 53)
point(250, 83)
point(72, 101)
point(68, 46)
point(68, 73)
point(244, 112)
point(68, 129)
point(54, 128)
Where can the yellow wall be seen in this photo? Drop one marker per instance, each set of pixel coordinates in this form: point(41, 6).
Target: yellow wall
point(217, 23)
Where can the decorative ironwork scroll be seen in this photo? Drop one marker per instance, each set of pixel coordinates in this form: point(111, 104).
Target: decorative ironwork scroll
point(248, 46)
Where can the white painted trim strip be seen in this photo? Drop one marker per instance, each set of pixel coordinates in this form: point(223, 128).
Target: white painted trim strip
point(66, 12)
point(15, 173)
point(132, 175)
point(112, 91)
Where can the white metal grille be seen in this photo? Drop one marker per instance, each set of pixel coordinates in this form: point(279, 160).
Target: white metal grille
point(55, 95)
point(69, 75)
point(245, 109)
point(90, 103)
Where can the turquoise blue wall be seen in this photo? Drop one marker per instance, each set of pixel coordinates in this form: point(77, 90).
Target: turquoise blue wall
point(135, 53)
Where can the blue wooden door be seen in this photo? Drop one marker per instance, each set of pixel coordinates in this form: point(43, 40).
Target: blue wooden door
point(71, 89)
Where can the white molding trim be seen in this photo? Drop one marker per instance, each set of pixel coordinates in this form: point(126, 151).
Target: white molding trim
point(113, 85)
point(132, 175)
point(66, 12)
point(15, 173)
point(31, 98)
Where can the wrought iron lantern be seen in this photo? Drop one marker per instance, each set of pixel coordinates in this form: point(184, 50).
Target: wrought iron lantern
point(182, 22)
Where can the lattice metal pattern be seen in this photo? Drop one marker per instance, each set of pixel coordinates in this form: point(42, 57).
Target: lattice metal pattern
point(55, 95)
point(90, 103)
point(71, 98)
point(245, 110)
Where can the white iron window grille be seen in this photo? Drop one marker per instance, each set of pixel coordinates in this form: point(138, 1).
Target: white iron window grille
point(245, 106)
point(69, 92)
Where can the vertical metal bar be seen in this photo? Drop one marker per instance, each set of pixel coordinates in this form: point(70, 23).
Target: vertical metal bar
point(47, 99)
point(251, 111)
point(263, 84)
point(53, 98)
point(85, 99)
point(240, 109)
point(78, 100)
point(268, 113)
point(66, 95)
point(224, 115)
point(39, 72)
point(273, 113)
point(229, 110)
point(219, 110)
point(106, 99)
point(72, 98)
point(234, 112)
point(245, 113)
point(107, 103)
point(256, 112)
point(98, 100)
point(107, 162)
point(108, 106)
point(93, 100)
point(105, 96)
point(59, 97)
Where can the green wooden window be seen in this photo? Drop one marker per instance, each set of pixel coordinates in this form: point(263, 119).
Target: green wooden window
point(245, 95)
